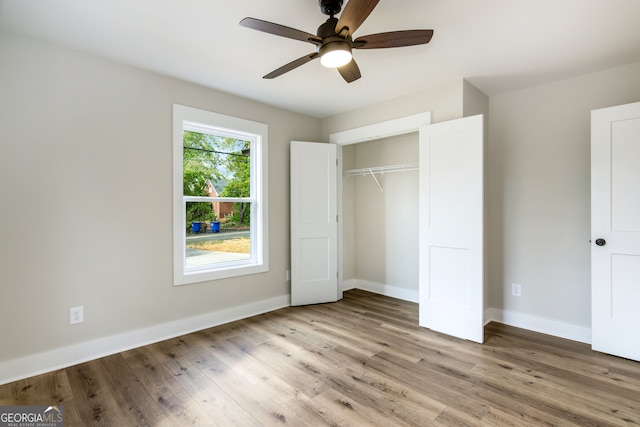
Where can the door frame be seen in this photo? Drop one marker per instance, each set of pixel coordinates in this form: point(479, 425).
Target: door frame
point(385, 129)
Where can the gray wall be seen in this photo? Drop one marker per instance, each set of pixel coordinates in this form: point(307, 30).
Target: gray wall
point(445, 102)
point(85, 182)
point(539, 193)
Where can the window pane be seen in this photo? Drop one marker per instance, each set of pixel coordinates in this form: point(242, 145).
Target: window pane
point(216, 166)
point(210, 241)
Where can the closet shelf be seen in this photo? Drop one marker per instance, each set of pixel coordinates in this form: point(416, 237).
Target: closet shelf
point(381, 170)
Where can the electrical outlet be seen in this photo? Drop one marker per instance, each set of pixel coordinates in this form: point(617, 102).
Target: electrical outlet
point(76, 315)
point(516, 289)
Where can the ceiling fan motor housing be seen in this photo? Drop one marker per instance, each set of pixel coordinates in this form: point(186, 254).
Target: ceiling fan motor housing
point(328, 29)
point(330, 7)
point(331, 40)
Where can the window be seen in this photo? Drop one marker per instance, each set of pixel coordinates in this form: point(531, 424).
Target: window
point(219, 196)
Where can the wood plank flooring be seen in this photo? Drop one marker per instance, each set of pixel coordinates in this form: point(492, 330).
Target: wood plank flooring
point(363, 361)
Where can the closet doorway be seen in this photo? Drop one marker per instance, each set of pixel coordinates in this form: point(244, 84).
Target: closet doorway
point(446, 244)
point(380, 216)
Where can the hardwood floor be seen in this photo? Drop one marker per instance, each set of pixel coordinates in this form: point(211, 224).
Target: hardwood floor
point(361, 361)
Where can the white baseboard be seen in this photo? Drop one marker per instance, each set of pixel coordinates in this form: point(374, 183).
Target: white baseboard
point(382, 289)
point(347, 285)
point(519, 320)
point(36, 364)
point(539, 324)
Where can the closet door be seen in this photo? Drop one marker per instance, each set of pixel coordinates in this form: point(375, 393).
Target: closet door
point(451, 283)
point(314, 223)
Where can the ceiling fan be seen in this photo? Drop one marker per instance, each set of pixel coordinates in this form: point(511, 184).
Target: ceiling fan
point(334, 39)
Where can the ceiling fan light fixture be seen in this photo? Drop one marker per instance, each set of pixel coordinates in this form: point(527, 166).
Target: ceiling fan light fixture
point(335, 54)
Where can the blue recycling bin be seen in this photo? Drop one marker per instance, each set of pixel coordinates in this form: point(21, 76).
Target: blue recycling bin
point(215, 226)
point(195, 227)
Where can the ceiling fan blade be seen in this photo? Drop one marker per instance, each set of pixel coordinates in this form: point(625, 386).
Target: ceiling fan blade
point(354, 14)
point(350, 72)
point(393, 39)
point(292, 65)
point(280, 30)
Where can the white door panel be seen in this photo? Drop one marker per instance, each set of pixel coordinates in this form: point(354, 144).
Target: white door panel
point(625, 175)
point(314, 230)
point(451, 228)
point(615, 218)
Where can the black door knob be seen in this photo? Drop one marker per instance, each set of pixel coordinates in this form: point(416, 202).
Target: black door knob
point(601, 242)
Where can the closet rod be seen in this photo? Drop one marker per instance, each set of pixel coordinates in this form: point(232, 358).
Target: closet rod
point(382, 169)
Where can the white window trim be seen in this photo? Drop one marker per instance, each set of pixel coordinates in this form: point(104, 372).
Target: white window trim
point(259, 261)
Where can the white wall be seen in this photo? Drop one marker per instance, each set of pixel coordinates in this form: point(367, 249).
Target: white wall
point(85, 217)
point(382, 225)
point(539, 185)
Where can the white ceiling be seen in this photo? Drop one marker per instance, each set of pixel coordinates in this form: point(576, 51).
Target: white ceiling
point(498, 45)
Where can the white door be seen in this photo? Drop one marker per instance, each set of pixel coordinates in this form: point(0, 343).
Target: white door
point(451, 277)
point(615, 230)
point(314, 223)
